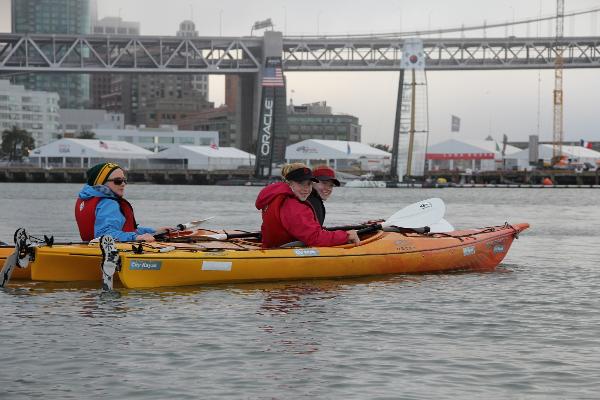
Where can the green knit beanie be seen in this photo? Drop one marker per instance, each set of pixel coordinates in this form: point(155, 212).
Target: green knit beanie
point(99, 173)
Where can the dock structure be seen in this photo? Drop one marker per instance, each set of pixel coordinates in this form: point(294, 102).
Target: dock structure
point(519, 178)
point(500, 178)
point(156, 176)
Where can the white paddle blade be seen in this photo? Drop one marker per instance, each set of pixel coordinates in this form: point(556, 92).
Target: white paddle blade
point(442, 226)
point(417, 215)
point(9, 264)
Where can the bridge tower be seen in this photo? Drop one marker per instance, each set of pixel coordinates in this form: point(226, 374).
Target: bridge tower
point(272, 120)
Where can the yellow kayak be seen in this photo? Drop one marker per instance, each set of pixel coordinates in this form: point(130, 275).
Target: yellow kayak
point(160, 264)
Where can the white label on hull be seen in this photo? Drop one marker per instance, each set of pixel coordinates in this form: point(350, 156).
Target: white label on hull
point(144, 265)
point(499, 248)
point(468, 251)
point(216, 265)
point(306, 252)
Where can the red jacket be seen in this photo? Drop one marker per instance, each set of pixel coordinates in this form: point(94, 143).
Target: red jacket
point(85, 215)
point(286, 219)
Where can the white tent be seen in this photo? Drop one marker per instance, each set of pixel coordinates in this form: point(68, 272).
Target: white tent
point(84, 153)
point(481, 155)
point(575, 155)
point(337, 153)
point(201, 157)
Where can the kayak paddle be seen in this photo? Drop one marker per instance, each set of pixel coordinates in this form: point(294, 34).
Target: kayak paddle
point(182, 227)
point(19, 258)
point(416, 215)
point(442, 226)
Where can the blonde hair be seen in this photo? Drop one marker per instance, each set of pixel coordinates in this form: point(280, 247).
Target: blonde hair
point(287, 168)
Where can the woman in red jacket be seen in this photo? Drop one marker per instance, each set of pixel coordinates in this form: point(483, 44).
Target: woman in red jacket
point(288, 217)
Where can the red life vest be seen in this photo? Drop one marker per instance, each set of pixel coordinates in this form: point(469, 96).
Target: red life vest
point(272, 230)
point(85, 215)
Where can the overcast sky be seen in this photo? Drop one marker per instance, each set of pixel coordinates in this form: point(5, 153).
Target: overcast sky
point(488, 102)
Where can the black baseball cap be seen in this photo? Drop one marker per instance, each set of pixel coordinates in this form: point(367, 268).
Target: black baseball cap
point(301, 175)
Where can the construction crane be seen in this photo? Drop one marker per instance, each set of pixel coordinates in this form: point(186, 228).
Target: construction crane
point(557, 138)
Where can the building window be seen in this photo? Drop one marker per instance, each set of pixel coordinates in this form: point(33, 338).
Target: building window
point(166, 140)
point(186, 140)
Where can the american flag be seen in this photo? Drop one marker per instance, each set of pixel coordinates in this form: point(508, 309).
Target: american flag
point(214, 146)
point(103, 145)
point(272, 77)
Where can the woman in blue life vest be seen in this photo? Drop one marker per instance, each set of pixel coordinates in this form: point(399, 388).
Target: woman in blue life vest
point(101, 209)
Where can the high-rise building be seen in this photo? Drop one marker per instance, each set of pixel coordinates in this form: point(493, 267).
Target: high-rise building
point(158, 99)
point(199, 82)
point(101, 83)
point(115, 26)
point(54, 16)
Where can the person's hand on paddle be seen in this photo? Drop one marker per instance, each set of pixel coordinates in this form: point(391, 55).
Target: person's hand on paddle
point(353, 237)
point(164, 231)
point(146, 237)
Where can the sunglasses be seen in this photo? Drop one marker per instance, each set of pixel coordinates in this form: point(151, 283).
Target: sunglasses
point(117, 181)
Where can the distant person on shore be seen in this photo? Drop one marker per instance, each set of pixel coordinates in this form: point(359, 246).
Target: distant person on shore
point(101, 209)
point(322, 190)
point(288, 217)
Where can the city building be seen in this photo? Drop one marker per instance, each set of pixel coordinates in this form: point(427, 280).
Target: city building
point(171, 109)
point(344, 155)
point(74, 122)
point(158, 139)
point(156, 99)
point(219, 119)
point(35, 111)
point(56, 17)
point(115, 26)
point(226, 119)
point(199, 82)
point(84, 153)
point(100, 84)
point(122, 97)
point(316, 121)
point(153, 99)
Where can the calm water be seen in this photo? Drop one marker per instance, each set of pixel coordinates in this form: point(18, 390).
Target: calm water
point(530, 330)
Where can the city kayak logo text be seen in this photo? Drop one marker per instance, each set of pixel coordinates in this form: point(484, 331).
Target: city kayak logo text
point(139, 265)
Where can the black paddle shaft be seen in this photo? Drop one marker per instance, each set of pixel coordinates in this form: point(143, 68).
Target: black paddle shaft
point(370, 229)
point(334, 228)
